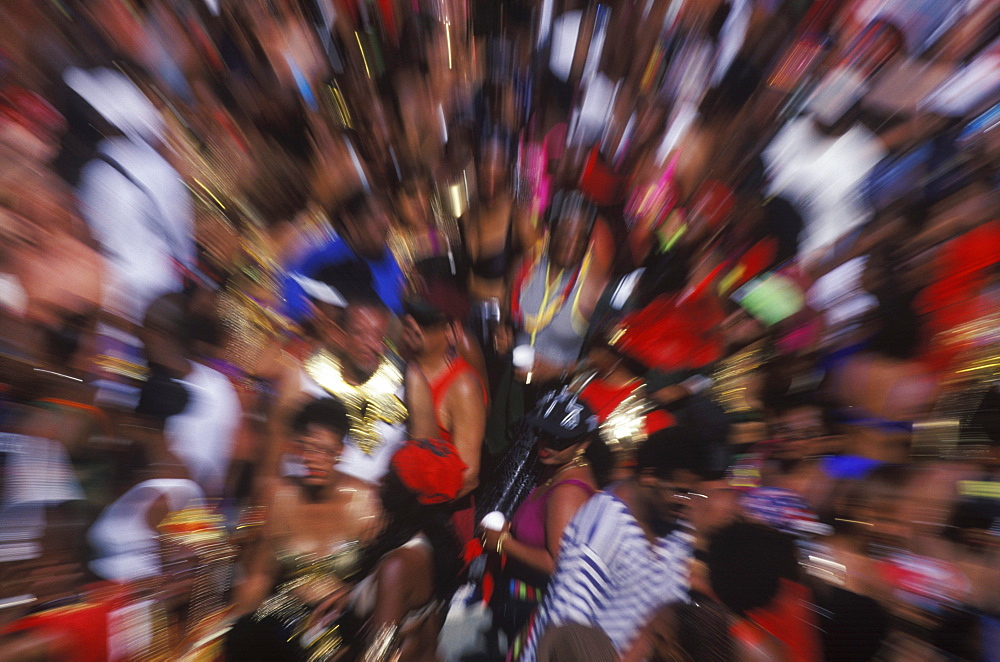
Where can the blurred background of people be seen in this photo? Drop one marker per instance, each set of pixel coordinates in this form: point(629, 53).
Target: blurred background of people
point(714, 278)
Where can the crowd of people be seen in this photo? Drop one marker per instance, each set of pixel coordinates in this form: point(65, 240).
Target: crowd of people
point(499, 330)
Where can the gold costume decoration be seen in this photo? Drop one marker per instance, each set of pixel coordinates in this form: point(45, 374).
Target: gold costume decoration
point(733, 377)
point(625, 427)
point(203, 533)
point(367, 404)
point(976, 368)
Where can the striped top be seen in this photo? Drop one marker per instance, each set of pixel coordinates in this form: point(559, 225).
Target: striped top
point(610, 576)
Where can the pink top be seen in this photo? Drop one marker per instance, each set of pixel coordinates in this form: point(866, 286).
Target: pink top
point(528, 523)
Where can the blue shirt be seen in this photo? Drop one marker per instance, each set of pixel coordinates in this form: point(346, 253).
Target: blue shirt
point(386, 273)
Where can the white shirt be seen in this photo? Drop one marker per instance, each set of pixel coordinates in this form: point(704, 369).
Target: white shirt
point(823, 177)
point(37, 474)
point(141, 231)
point(203, 435)
point(125, 547)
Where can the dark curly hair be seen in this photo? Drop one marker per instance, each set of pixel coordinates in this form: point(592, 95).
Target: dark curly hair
point(746, 563)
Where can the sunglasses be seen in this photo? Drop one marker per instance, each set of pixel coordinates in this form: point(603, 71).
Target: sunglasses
point(551, 442)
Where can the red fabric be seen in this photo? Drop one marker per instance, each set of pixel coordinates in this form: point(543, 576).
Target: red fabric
point(962, 270)
point(603, 399)
point(674, 333)
point(753, 263)
point(430, 468)
point(443, 382)
point(83, 627)
point(388, 12)
point(713, 202)
point(464, 517)
point(789, 619)
point(598, 182)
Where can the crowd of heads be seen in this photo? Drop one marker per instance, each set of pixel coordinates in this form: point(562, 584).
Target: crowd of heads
point(741, 256)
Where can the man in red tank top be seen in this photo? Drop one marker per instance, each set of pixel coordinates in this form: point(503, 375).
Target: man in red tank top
point(459, 396)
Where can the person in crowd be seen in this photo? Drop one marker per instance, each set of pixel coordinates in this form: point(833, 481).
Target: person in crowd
point(362, 225)
point(385, 399)
point(492, 233)
point(411, 570)
point(426, 240)
point(196, 407)
point(132, 198)
point(882, 385)
point(799, 467)
point(556, 289)
point(574, 464)
point(614, 387)
point(747, 565)
point(459, 397)
point(317, 522)
point(780, 238)
point(635, 536)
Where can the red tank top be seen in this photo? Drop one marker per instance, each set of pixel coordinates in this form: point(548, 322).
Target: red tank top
point(443, 382)
point(464, 514)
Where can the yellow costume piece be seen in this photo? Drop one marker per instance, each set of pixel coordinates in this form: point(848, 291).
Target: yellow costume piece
point(367, 404)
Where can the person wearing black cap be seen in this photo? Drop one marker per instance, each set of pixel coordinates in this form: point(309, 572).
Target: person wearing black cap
point(573, 461)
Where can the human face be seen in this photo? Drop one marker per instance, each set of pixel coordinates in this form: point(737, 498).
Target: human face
point(569, 242)
point(669, 498)
point(365, 329)
point(320, 449)
point(428, 341)
point(367, 232)
point(492, 171)
point(796, 432)
point(414, 207)
point(551, 453)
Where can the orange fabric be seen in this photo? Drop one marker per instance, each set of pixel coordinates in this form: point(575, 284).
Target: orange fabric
point(441, 384)
point(789, 620)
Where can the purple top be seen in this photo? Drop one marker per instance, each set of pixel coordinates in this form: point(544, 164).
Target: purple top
point(528, 523)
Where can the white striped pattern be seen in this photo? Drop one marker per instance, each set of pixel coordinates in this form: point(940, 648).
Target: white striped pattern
point(609, 576)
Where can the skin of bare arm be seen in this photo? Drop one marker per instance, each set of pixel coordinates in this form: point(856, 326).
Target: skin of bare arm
point(466, 415)
point(419, 404)
point(562, 505)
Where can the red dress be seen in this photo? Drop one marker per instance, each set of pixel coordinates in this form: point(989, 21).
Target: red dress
point(464, 514)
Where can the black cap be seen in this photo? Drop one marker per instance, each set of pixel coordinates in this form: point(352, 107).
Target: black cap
point(562, 415)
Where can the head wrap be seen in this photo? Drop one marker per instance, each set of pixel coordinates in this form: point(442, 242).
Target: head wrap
point(430, 468)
